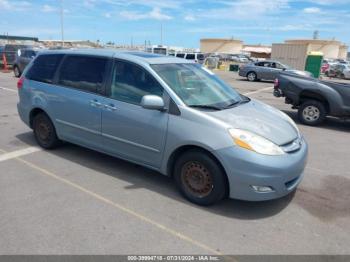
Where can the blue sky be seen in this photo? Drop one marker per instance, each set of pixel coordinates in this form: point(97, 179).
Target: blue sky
point(184, 22)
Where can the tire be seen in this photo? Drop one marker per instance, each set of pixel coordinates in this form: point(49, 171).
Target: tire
point(44, 132)
point(200, 178)
point(16, 71)
point(312, 112)
point(251, 76)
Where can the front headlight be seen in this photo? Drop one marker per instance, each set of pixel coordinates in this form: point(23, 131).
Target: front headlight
point(254, 142)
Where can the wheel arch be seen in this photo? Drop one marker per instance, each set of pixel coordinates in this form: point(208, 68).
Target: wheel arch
point(185, 148)
point(35, 111)
point(310, 95)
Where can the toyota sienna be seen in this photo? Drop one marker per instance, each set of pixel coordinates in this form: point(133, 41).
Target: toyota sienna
point(167, 114)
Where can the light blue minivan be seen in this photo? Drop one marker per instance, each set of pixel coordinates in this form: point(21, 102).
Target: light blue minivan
point(164, 113)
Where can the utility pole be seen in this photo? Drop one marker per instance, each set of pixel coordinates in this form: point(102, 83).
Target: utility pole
point(161, 33)
point(62, 32)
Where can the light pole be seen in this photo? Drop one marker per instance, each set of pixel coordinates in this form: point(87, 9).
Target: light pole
point(161, 33)
point(62, 32)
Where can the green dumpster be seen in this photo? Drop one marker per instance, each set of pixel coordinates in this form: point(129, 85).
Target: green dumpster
point(313, 63)
point(233, 68)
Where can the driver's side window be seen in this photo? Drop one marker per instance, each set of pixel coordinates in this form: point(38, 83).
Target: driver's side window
point(131, 82)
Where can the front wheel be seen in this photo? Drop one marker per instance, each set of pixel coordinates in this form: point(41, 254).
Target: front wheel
point(312, 112)
point(200, 178)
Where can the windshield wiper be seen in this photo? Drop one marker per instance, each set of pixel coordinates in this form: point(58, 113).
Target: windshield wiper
point(244, 100)
point(206, 107)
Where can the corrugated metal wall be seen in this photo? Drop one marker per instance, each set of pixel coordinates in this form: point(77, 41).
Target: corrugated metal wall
point(290, 54)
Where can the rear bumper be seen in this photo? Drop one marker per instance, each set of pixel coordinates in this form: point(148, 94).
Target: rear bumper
point(23, 114)
point(246, 169)
point(242, 73)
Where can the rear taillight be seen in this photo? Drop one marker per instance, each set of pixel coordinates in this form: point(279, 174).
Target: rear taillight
point(276, 83)
point(20, 82)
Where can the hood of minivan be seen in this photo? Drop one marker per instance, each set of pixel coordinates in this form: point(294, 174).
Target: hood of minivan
point(260, 119)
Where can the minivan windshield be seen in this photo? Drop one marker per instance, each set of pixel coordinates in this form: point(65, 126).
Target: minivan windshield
point(197, 86)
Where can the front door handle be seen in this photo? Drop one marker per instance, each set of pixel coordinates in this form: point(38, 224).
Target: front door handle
point(110, 107)
point(95, 103)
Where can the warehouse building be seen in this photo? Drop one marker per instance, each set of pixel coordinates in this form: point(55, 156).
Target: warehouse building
point(221, 45)
point(295, 52)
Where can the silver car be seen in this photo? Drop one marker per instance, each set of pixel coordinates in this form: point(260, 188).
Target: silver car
point(167, 114)
point(266, 70)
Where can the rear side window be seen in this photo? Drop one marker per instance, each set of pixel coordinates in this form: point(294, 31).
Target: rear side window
point(83, 72)
point(190, 56)
point(44, 67)
point(200, 56)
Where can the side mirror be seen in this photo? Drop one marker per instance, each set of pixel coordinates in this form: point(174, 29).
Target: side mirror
point(153, 102)
point(284, 69)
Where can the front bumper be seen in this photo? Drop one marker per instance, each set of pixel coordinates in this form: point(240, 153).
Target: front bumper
point(245, 169)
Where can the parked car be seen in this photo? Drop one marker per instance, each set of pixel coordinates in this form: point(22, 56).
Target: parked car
point(314, 99)
point(266, 70)
point(168, 114)
point(11, 52)
point(326, 64)
point(239, 58)
point(1, 52)
point(331, 70)
point(23, 59)
point(196, 57)
point(346, 72)
point(342, 71)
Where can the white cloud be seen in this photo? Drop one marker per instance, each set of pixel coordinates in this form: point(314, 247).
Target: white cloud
point(14, 6)
point(330, 2)
point(48, 9)
point(168, 4)
point(108, 15)
point(89, 3)
point(189, 18)
point(156, 14)
point(312, 10)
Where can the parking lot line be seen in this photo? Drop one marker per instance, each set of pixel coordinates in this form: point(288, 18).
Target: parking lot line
point(118, 206)
point(258, 91)
point(18, 153)
point(8, 89)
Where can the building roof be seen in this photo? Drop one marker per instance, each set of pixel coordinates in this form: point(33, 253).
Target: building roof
point(221, 40)
point(257, 49)
point(312, 41)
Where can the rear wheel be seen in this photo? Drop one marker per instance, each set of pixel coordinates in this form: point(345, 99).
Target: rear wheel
point(44, 131)
point(251, 76)
point(312, 112)
point(16, 71)
point(199, 177)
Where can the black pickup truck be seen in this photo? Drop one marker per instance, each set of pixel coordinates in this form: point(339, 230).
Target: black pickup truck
point(315, 99)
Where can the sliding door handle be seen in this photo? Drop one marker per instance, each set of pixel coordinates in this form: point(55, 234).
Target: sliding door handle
point(110, 107)
point(95, 103)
